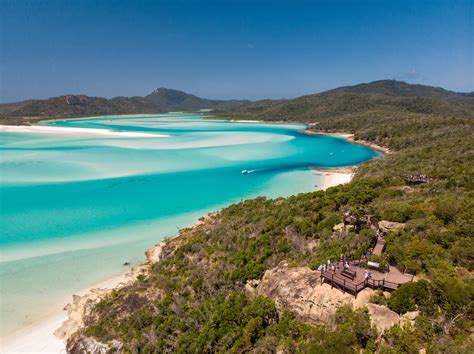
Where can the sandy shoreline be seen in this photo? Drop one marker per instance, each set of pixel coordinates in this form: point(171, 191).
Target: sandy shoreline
point(349, 137)
point(246, 121)
point(45, 129)
point(334, 176)
point(39, 336)
point(49, 335)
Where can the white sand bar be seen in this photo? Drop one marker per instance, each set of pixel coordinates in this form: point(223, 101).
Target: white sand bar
point(45, 129)
point(331, 179)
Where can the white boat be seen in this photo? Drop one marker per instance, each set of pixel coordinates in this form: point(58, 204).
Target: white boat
point(244, 172)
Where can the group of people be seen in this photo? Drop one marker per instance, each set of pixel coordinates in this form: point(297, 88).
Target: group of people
point(334, 266)
point(417, 178)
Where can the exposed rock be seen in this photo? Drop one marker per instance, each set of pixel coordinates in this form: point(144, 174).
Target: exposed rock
point(299, 290)
point(341, 226)
point(76, 100)
point(382, 317)
point(87, 345)
point(409, 317)
point(388, 226)
point(251, 285)
point(80, 307)
point(155, 253)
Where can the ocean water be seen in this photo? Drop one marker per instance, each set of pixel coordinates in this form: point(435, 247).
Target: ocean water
point(74, 207)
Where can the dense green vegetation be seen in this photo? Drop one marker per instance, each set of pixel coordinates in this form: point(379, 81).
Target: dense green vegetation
point(174, 100)
point(71, 106)
point(194, 299)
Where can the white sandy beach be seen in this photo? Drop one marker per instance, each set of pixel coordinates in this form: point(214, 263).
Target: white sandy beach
point(331, 179)
point(246, 121)
point(39, 337)
point(43, 129)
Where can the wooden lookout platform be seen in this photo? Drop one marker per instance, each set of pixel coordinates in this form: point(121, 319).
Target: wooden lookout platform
point(386, 281)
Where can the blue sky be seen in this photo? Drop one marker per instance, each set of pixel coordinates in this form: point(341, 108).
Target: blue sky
point(230, 49)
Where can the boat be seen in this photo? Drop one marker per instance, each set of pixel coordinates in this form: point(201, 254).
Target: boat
point(244, 172)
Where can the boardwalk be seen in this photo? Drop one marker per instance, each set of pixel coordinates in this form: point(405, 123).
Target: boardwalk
point(378, 249)
point(385, 281)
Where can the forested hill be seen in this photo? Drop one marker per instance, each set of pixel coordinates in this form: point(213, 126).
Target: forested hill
point(373, 98)
point(73, 106)
point(400, 88)
point(196, 298)
point(174, 100)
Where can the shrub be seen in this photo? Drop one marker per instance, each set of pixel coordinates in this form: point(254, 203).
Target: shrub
point(446, 208)
point(378, 298)
point(408, 296)
point(329, 221)
point(398, 211)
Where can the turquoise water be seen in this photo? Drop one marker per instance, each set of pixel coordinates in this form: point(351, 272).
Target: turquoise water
point(75, 207)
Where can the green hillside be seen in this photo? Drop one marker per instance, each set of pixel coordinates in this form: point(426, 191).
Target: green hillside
point(376, 97)
point(74, 106)
point(174, 100)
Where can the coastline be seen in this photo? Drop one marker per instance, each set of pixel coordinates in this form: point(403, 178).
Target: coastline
point(50, 334)
point(40, 335)
point(349, 137)
point(45, 129)
point(31, 120)
point(332, 177)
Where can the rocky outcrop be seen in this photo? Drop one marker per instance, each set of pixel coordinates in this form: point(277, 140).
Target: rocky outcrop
point(87, 345)
point(391, 226)
point(409, 317)
point(299, 290)
point(382, 317)
point(80, 307)
point(342, 226)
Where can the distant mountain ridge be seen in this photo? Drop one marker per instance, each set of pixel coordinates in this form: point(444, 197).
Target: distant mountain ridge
point(382, 95)
point(72, 106)
point(399, 88)
point(170, 99)
point(378, 97)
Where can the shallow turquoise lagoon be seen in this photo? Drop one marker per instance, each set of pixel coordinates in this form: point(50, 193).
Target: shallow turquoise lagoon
point(76, 206)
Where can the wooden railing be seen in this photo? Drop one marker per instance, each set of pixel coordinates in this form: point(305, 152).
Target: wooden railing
point(352, 287)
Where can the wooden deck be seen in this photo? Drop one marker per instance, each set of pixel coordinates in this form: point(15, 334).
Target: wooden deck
point(379, 280)
point(379, 246)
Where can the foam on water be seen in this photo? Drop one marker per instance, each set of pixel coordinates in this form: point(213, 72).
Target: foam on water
point(74, 208)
